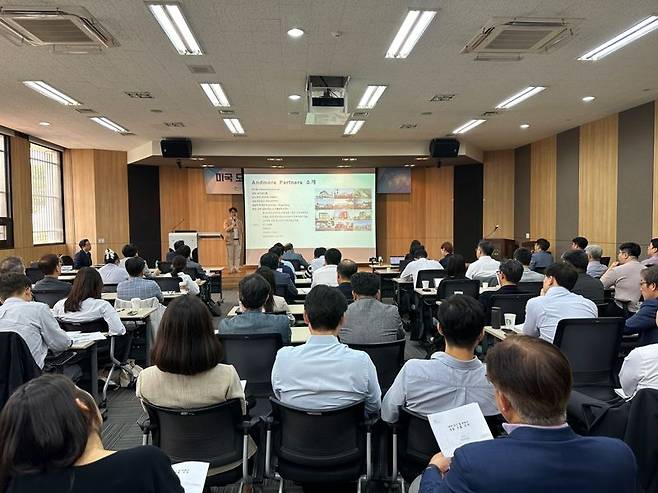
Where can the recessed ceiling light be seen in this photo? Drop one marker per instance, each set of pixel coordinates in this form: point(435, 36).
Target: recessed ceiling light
point(526, 93)
point(469, 125)
point(524, 125)
point(173, 23)
point(294, 97)
point(293, 113)
point(350, 159)
point(409, 165)
point(588, 99)
point(277, 166)
point(207, 165)
point(44, 124)
point(50, 92)
point(370, 97)
point(197, 159)
point(275, 159)
point(234, 126)
point(295, 32)
point(215, 94)
point(344, 166)
point(353, 126)
point(410, 31)
point(422, 158)
point(109, 124)
point(631, 34)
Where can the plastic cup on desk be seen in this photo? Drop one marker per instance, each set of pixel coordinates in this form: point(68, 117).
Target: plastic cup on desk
point(458, 292)
point(426, 284)
point(510, 320)
point(485, 285)
point(134, 303)
point(183, 287)
point(437, 281)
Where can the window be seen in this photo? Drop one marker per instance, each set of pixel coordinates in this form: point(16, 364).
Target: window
point(6, 224)
point(47, 200)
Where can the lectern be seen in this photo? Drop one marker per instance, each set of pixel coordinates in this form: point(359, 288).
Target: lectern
point(503, 248)
point(191, 238)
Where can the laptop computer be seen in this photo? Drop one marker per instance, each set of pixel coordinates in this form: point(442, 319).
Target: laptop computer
point(396, 260)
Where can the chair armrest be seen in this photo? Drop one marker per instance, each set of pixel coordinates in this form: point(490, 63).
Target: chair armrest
point(370, 421)
point(144, 424)
point(247, 425)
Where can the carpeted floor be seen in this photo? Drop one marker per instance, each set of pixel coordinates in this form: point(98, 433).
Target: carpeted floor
point(121, 431)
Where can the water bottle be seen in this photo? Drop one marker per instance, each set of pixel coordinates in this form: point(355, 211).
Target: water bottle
point(496, 317)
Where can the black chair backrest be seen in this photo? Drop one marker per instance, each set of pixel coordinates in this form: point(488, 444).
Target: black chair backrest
point(280, 290)
point(66, 260)
point(295, 263)
point(388, 358)
point(211, 434)
point(110, 288)
point(403, 264)
point(541, 270)
point(99, 325)
point(512, 303)
point(49, 297)
point(34, 274)
point(190, 272)
point(533, 288)
point(168, 283)
point(605, 261)
point(164, 267)
point(252, 355)
point(468, 287)
point(591, 345)
point(313, 440)
point(429, 275)
point(17, 364)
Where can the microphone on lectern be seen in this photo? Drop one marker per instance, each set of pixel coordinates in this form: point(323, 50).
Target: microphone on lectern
point(493, 231)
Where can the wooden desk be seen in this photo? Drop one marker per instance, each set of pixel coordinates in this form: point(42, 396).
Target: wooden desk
point(296, 310)
point(168, 295)
point(301, 273)
point(491, 334)
point(141, 313)
point(376, 267)
point(93, 365)
point(302, 292)
point(424, 302)
point(305, 282)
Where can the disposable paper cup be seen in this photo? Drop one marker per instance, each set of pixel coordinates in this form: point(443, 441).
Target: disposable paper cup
point(134, 302)
point(510, 320)
point(436, 282)
point(485, 285)
point(426, 284)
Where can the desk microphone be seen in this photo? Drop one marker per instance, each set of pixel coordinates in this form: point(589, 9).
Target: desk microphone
point(177, 224)
point(492, 232)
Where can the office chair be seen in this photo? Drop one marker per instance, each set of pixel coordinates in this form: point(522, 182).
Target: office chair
point(49, 297)
point(512, 303)
point(34, 274)
point(168, 283)
point(388, 358)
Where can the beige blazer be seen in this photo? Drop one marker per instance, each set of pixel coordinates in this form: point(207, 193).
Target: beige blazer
point(228, 235)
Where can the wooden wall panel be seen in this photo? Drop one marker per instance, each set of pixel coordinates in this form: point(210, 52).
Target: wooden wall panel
point(655, 172)
point(174, 206)
point(597, 189)
point(82, 200)
point(439, 199)
point(498, 194)
point(543, 161)
point(111, 198)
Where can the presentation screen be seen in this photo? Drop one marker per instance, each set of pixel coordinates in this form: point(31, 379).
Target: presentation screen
point(310, 208)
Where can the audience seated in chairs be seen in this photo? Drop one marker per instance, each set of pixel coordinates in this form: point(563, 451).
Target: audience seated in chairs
point(450, 378)
point(33, 321)
point(624, 276)
point(136, 286)
point(532, 383)
point(51, 442)
point(644, 321)
point(524, 256)
point(420, 262)
point(594, 266)
point(51, 268)
point(410, 256)
point(318, 259)
point(579, 243)
point(455, 267)
point(367, 319)
point(446, 252)
point(254, 292)
point(112, 272)
point(640, 370)
point(131, 251)
point(556, 302)
point(285, 265)
point(323, 373)
point(12, 264)
point(485, 266)
point(172, 252)
point(586, 285)
point(541, 258)
point(290, 254)
point(652, 253)
point(178, 266)
point(284, 285)
point(327, 274)
point(345, 270)
point(84, 303)
point(191, 264)
point(508, 275)
point(274, 303)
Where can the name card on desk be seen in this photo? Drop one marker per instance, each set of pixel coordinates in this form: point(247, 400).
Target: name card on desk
point(459, 426)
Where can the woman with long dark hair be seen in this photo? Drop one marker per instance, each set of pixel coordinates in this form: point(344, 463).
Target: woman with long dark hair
point(84, 303)
point(51, 443)
point(412, 248)
point(177, 270)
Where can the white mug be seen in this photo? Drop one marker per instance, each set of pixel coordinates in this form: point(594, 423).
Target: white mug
point(183, 287)
point(426, 284)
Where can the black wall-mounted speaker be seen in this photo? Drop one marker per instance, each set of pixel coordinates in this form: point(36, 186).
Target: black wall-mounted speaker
point(176, 148)
point(444, 147)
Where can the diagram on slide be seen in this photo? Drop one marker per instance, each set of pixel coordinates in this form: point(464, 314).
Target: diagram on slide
point(343, 209)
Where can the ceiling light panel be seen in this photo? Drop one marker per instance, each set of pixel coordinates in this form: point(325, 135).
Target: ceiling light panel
point(520, 96)
point(370, 97)
point(412, 28)
point(50, 92)
point(469, 125)
point(234, 126)
point(109, 124)
point(628, 36)
point(353, 126)
point(215, 94)
point(173, 23)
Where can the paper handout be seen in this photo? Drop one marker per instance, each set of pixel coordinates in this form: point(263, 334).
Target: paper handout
point(192, 475)
point(459, 426)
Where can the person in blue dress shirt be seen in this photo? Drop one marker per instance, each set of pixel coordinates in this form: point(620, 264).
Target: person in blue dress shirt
point(540, 257)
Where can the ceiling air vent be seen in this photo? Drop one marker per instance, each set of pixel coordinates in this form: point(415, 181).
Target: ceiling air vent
point(85, 111)
point(138, 94)
point(72, 27)
point(226, 112)
point(174, 124)
point(201, 69)
point(360, 114)
point(489, 114)
point(407, 126)
point(521, 35)
point(441, 98)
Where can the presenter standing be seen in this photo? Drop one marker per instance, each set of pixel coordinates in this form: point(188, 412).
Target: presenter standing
point(233, 234)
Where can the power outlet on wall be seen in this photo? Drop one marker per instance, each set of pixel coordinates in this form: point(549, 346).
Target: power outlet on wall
point(101, 241)
point(527, 236)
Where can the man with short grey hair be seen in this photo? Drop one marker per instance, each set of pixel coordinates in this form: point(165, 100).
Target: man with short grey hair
point(12, 264)
point(594, 267)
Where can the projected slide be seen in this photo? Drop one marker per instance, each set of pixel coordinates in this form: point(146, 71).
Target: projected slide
point(310, 208)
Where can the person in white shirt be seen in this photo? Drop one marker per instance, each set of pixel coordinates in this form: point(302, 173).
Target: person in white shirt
point(112, 272)
point(129, 251)
point(484, 267)
point(556, 302)
point(318, 260)
point(177, 268)
point(421, 262)
point(640, 370)
point(327, 274)
point(29, 319)
point(84, 303)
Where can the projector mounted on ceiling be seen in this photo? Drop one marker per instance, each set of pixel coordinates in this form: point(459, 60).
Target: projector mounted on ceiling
point(327, 100)
point(504, 36)
point(67, 29)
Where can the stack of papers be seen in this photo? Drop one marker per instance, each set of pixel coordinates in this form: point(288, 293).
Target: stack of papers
point(459, 426)
point(84, 337)
point(192, 475)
